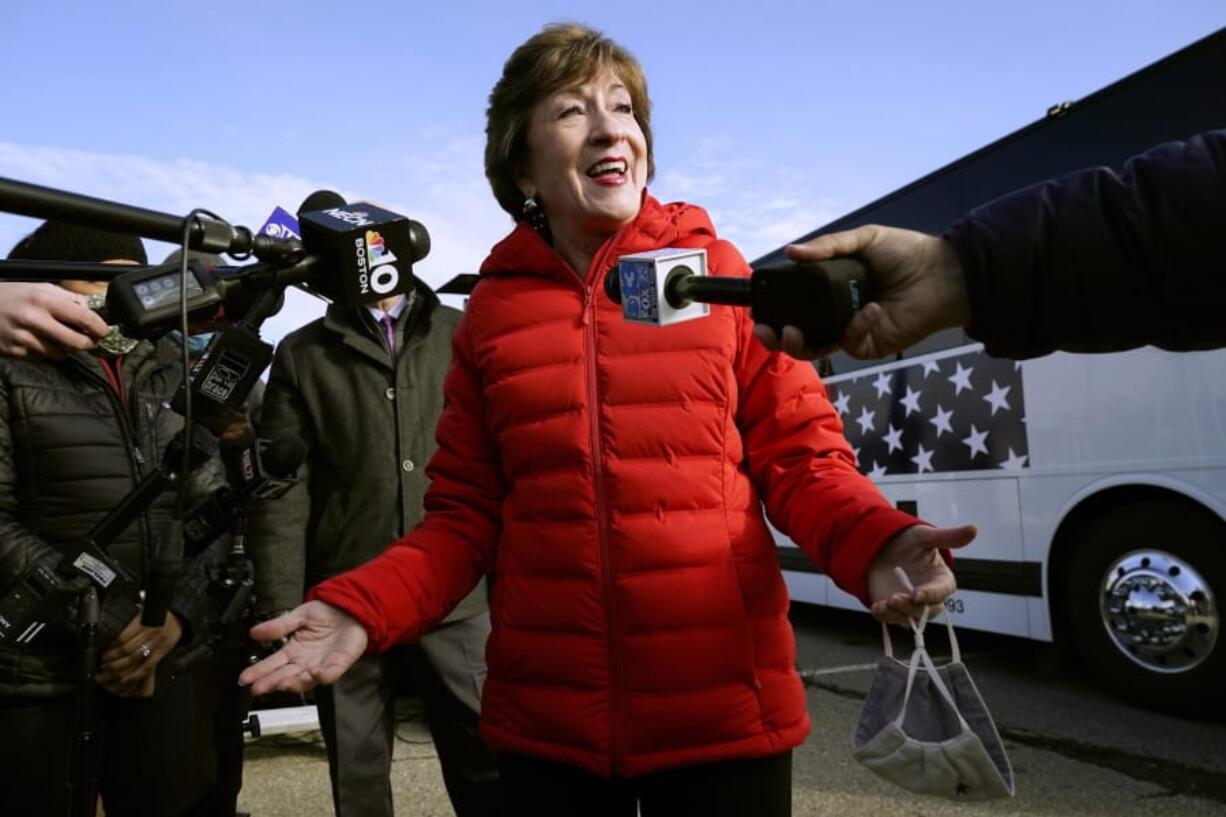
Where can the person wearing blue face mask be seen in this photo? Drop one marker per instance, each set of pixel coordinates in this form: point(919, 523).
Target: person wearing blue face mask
point(76, 434)
point(196, 344)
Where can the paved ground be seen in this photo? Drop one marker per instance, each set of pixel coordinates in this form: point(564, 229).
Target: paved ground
point(1075, 750)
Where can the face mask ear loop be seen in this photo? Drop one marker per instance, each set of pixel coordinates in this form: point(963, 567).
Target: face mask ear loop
point(912, 667)
point(918, 630)
point(954, 652)
point(919, 653)
point(944, 690)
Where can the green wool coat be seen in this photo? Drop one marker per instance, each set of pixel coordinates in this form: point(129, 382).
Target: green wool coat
point(368, 424)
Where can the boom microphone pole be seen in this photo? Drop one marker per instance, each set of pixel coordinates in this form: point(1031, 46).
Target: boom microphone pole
point(206, 234)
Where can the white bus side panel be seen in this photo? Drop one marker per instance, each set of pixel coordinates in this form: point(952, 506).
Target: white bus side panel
point(1115, 411)
point(968, 609)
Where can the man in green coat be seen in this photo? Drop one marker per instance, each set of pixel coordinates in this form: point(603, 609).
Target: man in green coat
point(363, 388)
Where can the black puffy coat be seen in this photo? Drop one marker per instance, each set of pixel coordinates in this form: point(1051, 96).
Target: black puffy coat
point(70, 448)
point(1098, 261)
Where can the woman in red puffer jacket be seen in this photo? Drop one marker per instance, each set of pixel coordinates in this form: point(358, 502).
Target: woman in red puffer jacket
point(611, 477)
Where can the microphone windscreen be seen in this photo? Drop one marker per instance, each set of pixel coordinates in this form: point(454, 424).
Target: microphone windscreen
point(320, 200)
point(283, 456)
point(420, 238)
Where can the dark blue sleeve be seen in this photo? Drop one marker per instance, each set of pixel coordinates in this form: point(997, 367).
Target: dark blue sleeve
point(1100, 261)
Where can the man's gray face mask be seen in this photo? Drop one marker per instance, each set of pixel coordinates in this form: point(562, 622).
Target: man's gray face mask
point(930, 731)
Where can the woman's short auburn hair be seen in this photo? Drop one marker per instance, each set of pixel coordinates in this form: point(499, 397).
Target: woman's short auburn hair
point(561, 56)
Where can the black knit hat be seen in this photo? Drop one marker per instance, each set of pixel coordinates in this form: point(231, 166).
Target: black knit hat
point(61, 241)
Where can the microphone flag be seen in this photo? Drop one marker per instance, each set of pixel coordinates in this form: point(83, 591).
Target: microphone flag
point(281, 224)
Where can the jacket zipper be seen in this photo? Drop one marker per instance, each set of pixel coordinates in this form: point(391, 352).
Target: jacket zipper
point(135, 458)
point(602, 511)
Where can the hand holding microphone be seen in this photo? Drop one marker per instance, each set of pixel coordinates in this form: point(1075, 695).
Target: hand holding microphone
point(919, 289)
point(815, 300)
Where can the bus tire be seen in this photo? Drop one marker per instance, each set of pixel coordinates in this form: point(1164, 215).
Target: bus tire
point(1144, 592)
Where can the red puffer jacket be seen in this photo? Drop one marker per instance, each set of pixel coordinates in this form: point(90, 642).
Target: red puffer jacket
point(610, 476)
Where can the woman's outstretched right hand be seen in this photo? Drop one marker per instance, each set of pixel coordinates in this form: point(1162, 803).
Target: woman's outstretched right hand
point(322, 642)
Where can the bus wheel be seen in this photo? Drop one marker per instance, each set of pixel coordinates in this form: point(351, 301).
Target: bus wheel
point(1145, 590)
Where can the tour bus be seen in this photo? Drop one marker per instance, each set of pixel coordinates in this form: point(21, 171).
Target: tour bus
point(1097, 482)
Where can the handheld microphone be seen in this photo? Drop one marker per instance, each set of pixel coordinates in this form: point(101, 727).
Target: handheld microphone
point(262, 470)
point(370, 249)
point(668, 286)
point(222, 377)
point(163, 574)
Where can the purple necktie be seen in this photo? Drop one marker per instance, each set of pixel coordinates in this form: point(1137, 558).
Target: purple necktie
point(389, 329)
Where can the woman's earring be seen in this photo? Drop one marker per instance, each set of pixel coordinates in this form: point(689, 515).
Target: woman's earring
point(535, 216)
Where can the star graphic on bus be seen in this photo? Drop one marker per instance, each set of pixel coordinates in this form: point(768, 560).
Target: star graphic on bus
point(841, 405)
point(911, 401)
point(976, 442)
point(941, 421)
point(961, 378)
point(893, 438)
point(865, 420)
point(882, 384)
point(997, 398)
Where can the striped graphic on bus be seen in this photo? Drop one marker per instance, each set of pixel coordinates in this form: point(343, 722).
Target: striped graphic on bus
point(964, 412)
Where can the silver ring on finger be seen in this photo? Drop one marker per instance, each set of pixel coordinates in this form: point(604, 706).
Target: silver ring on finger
point(144, 651)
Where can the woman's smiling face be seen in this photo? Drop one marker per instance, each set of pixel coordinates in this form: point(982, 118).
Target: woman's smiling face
point(588, 158)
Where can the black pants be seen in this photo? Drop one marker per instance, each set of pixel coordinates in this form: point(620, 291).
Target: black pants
point(760, 787)
point(152, 758)
point(228, 707)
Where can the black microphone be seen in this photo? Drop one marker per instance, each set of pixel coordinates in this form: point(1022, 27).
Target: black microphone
point(370, 250)
point(320, 200)
point(664, 287)
point(262, 470)
point(164, 571)
point(222, 377)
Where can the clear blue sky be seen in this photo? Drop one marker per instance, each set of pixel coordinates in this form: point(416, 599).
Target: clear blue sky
point(776, 116)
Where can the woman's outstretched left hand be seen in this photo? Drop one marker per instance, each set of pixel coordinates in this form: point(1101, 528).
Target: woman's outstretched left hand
point(917, 551)
point(323, 642)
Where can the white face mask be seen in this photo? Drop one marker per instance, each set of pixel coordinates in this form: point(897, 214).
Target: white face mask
point(931, 733)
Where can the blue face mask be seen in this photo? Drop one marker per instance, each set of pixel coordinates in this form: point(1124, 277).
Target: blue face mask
point(196, 344)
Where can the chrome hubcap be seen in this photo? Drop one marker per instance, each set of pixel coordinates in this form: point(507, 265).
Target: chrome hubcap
point(1159, 611)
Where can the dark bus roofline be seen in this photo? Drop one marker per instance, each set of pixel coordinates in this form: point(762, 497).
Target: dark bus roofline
point(1058, 113)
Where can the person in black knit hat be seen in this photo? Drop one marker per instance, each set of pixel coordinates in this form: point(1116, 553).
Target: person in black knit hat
point(76, 435)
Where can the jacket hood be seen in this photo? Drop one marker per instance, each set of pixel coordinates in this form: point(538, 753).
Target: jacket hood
point(675, 224)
